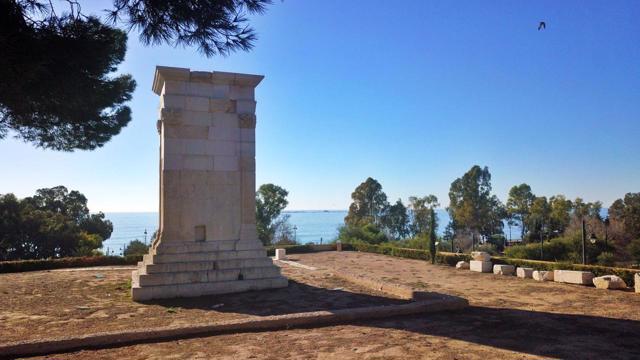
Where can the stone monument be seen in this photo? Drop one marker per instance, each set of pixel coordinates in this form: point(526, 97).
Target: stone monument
point(207, 241)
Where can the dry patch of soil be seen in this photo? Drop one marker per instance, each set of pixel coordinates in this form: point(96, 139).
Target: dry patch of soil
point(510, 318)
point(47, 304)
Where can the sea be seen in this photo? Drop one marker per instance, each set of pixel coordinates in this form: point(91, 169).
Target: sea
point(312, 226)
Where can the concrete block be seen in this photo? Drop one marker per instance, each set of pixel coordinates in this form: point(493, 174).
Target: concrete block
point(525, 273)
point(610, 282)
point(503, 269)
point(480, 266)
point(542, 275)
point(480, 256)
point(462, 265)
point(636, 281)
point(281, 254)
point(573, 277)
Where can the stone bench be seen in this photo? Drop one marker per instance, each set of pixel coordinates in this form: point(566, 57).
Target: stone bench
point(525, 273)
point(503, 269)
point(573, 277)
point(542, 275)
point(480, 266)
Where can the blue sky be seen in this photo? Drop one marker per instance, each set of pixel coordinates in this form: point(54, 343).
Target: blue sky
point(412, 95)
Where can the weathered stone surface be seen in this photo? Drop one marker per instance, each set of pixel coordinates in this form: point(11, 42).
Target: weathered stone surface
point(281, 254)
point(611, 282)
point(480, 266)
point(207, 242)
point(573, 277)
point(463, 265)
point(636, 281)
point(524, 272)
point(481, 256)
point(542, 275)
point(503, 269)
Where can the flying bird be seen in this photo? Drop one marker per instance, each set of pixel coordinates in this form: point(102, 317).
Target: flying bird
point(542, 26)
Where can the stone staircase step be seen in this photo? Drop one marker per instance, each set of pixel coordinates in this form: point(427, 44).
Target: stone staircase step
point(190, 277)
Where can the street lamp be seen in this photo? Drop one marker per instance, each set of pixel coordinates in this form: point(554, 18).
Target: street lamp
point(592, 240)
point(295, 232)
point(145, 236)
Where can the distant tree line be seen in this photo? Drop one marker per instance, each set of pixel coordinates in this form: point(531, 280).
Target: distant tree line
point(54, 222)
point(478, 218)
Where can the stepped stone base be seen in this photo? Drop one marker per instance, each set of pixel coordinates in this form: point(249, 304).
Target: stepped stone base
point(204, 268)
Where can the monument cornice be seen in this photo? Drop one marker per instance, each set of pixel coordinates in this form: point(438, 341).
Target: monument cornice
point(167, 73)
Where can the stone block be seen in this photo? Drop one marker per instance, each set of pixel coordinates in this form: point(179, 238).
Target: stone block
point(226, 163)
point(186, 132)
point(636, 282)
point(480, 256)
point(172, 162)
point(241, 92)
point(247, 149)
point(462, 265)
point(525, 273)
point(224, 134)
point(573, 277)
point(611, 282)
point(174, 88)
point(222, 105)
point(480, 266)
point(245, 106)
point(224, 148)
point(198, 162)
point(281, 254)
point(500, 269)
point(248, 135)
point(173, 101)
point(225, 120)
point(542, 275)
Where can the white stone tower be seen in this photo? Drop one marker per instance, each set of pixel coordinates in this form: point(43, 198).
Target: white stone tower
point(207, 242)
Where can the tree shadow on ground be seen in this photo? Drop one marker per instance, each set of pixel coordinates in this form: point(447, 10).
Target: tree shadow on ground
point(297, 297)
point(563, 336)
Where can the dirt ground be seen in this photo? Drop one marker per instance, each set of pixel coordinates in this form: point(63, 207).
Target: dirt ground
point(509, 318)
point(38, 305)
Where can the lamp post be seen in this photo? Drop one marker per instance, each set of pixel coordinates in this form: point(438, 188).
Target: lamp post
point(606, 231)
point(145, 236)
point(592, 240)
point(295, 233)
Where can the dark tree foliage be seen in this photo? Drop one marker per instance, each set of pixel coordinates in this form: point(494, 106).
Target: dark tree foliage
point(396, 220)
point(56, 90)
point(136, 247)
point(214, 26)
point(369, 204)
point(270, 201)
point(53, 223)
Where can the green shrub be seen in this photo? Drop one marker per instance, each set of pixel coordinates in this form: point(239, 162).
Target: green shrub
point(441, 257)
point(488, 247)
point(368, 233)
point(634, 250)
point(606, 259)
point(69, 262)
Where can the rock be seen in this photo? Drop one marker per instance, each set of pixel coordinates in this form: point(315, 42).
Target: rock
point(525, 273)
point(611, 282)
point(636, 281)
point(463, 265)
point(480, 266)
point(503, 269)
point(542, 275)
point(573, 277)
point(480, 256)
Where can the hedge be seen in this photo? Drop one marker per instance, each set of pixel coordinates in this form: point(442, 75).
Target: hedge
point(302, 249)
point(597, 270)
point(68, 262)
point(447, 258)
